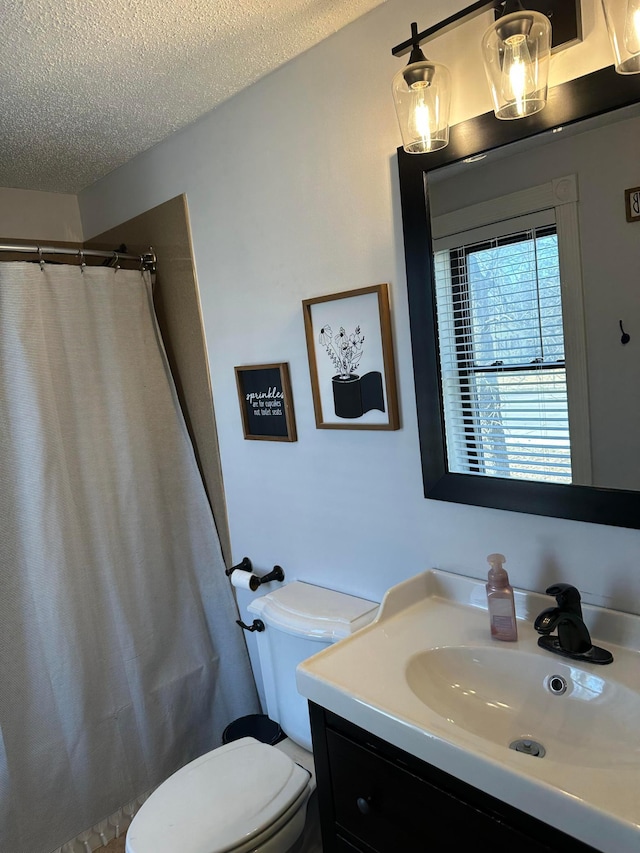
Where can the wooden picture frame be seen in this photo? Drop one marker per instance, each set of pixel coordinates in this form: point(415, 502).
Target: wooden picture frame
point(351, 361)
point(266, 402)
point(632, 204)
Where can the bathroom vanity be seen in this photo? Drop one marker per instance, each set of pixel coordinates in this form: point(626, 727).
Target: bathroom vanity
point(376, 797)
point(413, 718)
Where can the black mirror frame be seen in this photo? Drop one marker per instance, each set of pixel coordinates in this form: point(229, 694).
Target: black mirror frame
point(594, 94)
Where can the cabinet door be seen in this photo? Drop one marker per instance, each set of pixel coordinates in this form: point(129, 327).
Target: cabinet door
point(342, 846)
point(392, 810)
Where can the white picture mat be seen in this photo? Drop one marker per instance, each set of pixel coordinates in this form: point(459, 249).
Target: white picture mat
point(348, 312)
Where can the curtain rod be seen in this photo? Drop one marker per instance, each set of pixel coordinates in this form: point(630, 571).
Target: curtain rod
point(147, 260)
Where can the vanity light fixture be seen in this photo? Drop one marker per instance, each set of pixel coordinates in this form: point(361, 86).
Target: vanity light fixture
point(516, 50)
point(623, 25)
point(422, 96)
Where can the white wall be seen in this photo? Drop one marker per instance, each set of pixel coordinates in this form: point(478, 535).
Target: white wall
point(292, 193)
point(34, 215)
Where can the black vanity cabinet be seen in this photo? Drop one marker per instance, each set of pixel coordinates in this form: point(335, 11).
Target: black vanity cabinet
point(375, 798)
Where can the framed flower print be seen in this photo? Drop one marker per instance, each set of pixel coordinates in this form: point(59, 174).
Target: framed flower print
point(351, 360)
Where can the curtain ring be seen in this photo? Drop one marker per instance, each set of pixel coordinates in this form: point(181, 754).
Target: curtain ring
point(82, 260)
point(116, 260)
point(41, 261)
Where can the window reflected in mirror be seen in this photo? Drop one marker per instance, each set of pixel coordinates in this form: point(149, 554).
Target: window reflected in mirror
point(501, 347)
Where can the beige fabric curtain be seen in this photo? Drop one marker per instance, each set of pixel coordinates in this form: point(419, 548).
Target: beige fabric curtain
point(120, 660)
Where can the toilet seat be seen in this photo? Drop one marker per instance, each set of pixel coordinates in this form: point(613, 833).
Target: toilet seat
point(230, 799)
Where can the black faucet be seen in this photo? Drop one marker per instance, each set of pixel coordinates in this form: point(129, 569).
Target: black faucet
point(572, 640)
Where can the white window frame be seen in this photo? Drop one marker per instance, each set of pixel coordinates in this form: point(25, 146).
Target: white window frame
point(559, 195)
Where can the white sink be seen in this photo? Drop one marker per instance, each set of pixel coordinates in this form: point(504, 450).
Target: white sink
point(578, 714)
point(427, 677)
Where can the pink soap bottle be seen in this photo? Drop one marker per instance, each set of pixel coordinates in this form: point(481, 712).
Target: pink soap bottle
point(500, 598)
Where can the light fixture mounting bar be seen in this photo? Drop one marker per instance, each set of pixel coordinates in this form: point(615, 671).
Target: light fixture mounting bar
point(565, 17)
point(447, 24)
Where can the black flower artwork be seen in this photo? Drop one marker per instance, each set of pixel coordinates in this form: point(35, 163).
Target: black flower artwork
point(353, 395)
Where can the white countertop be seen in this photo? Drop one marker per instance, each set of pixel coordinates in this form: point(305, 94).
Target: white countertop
point(363, 679)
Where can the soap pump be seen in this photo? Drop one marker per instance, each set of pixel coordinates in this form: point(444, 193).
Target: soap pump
point(500, 600)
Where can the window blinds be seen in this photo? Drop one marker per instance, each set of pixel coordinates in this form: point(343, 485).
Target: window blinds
point(502, 352)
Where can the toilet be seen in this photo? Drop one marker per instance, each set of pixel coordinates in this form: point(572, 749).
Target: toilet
point(247, 796)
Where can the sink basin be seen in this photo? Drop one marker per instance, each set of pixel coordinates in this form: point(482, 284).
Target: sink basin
point(505, 694)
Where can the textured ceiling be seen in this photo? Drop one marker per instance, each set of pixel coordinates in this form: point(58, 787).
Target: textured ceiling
point(85, 85)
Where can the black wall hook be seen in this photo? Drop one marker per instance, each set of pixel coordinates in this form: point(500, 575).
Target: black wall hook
point(625, 337)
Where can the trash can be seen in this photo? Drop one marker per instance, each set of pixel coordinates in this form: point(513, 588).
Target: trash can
point(258, 726)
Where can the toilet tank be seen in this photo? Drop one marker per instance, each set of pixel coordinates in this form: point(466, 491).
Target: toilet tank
point(300, 619)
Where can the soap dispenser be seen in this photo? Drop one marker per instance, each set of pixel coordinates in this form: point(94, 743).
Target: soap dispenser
point(500, 598)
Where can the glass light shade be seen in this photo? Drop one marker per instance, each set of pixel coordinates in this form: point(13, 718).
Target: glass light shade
point(422, 95)
point(623, 24)
point(516, 51)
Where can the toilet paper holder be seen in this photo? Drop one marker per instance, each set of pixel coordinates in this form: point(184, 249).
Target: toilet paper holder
point(276, 574)
point(245, 565)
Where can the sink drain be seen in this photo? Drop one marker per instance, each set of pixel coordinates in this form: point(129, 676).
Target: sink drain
point(557, 684)
point(529, 747)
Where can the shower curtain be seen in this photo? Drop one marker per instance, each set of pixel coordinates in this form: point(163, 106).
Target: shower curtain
point(120, 660)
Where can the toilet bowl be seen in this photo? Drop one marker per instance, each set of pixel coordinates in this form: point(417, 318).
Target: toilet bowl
point(247, 796)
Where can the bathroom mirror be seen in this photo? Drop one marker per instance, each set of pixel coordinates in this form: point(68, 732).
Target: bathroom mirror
point(596, 492)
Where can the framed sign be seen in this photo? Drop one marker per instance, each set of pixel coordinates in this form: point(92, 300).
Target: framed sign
point(351, 359)
point(266, 404)
point(632, 204)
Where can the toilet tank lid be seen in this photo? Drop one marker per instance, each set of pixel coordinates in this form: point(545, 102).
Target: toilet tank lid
point(312, 611)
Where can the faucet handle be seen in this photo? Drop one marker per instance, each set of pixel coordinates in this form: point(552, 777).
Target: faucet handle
point(567, 596)
point(547, 620)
